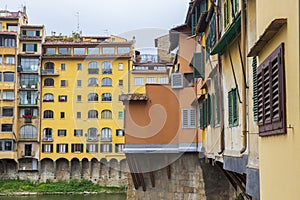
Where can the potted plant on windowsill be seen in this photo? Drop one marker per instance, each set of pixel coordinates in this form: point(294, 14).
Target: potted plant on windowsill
point(28, 118)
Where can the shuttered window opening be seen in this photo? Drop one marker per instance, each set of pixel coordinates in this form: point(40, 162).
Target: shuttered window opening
point(205, 113)
point(198, 64)
point(188, 118)
point(177, 80)
point(233, 110)
point(271, 94)
point(254, 74)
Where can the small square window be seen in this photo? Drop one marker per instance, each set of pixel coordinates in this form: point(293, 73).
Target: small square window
point(78, 83)
point(63, 67)
point(63, 83)
point(120, 82)
point(62, 115)
point(78, 98)
point(120, 66)
point(62, 98)
point(78, 132)
point(62, 132)
point(78, 115)
point(120, 115)
point(79, 66)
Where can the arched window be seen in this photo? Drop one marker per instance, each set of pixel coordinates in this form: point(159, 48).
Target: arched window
point(92, 134)
point(93, 114)
point(106, 134)
point(48, 82)
point(106, 97)
point(48, 114)
point(48, 134)
point(106, 114)
point(28, 132)
point(48, 98)
point(106, 82)
point(93, 82)
point(93, 97)
point(106, 68)
point(49, 67)
point(93, 68)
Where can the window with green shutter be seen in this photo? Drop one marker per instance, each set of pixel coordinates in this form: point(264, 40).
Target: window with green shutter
point(38, 33)
point(254, 74)
point(198, 64)
point(194, 24)
point(24, 33)
point(217, 100)
point(233, 118)
point(35, 47)
point(24, 47)
point(204, 114)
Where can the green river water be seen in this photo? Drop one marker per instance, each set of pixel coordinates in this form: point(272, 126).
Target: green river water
point(69, 197)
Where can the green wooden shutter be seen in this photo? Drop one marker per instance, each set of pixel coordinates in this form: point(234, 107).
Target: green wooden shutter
point(23, 32)
point(35, 47)
point(38, 33)
point(193, 24)
point(212, 30)
point(235, 107)
point(254, 75)
point(205, 113)
point(230, 108)
point(198, 64)
point(24, 47)
point(201, 116)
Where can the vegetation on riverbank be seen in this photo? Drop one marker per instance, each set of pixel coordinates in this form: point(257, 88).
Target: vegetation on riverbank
point(74, 185)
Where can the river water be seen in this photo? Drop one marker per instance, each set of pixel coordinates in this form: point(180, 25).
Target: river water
point(69, 197)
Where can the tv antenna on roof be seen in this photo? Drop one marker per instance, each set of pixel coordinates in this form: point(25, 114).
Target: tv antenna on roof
point(78, 23)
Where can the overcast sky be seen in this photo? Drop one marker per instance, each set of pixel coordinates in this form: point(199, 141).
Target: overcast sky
point(145, 19)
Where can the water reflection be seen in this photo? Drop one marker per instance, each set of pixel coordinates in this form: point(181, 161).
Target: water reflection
point(70, 197)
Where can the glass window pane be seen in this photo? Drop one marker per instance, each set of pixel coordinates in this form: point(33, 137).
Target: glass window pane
point(108, 50)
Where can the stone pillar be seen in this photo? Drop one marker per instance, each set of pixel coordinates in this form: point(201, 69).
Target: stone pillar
point(70, 169)
point(90, 169)
point(39, 169)
point(80, 169)
point(54, 169)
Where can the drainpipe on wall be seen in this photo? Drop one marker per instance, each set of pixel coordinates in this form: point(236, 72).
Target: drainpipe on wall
point(244, 92)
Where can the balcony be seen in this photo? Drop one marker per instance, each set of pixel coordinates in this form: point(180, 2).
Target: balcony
point(28, 137)
point(32, 103)
point(47, 139)
point(30, 86)
point(50, 72)
point(93, 71)
point(92, 139)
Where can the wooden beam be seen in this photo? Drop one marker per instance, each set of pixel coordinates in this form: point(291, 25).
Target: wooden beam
point(151, 175)
point(133, 175)
point(140, 174)
point(168, 167)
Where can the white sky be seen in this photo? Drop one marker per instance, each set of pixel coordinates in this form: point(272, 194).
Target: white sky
point(145, 19)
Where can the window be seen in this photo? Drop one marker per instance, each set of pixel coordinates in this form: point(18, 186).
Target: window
point(28, 112)
point(62, 98)
point(30, 48)
point(62, 115)
point(78, 115)
point(106, 82)
point(9, 42)
point(28, 132)
point(106, 97)
point(1, 60)
point(62, 148)
point(79, 51)
point(138, 81)
point(93, 68)
point(119, 148)
point(78, 98)
point(106, 114)
point(49, 68)
point(107, 68)
point(30, 64)
point(120, 82)
point(63, 83)
point(77, 148)
point(271, 94)
point(29, 81)
point(12, 27)
point(78, 132)
point(49, 82)
point(227, 13)
point(10, 60)
point(48, 98)
point(119, 132)
point(62, 132)
point(106, 134)
point(6, 127)
point(150, 80)
point(93, 114)
point(7, 112)
point(204, 113)
point(233, 110)
point(188, 118)
point(28, 97)
point(79, 83)
point(120, 115)
point(79, 66)
point(47, 134)
point(92, 134)
point(120, 66)
point(163, 80)
point(108, 50)
point(105, 148)
point(93, 82)
point(93, 51)
point(51, 51)
point(48, 114)
point(8, 95)
point(31, 33)
point(93, 97)
point(63, 66)
point(47, 148)
point(64, 51)
point(123, 50)
point(92, 148)
point(9, 77)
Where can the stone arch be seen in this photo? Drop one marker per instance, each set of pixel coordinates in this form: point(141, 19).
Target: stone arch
point(47, 169)
point(11, 168)
point(104, 168)
point(95, 168)
point(113, 169)
point(86, 171)
point(62, 169)
point(123, 169)
point(75, 168)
